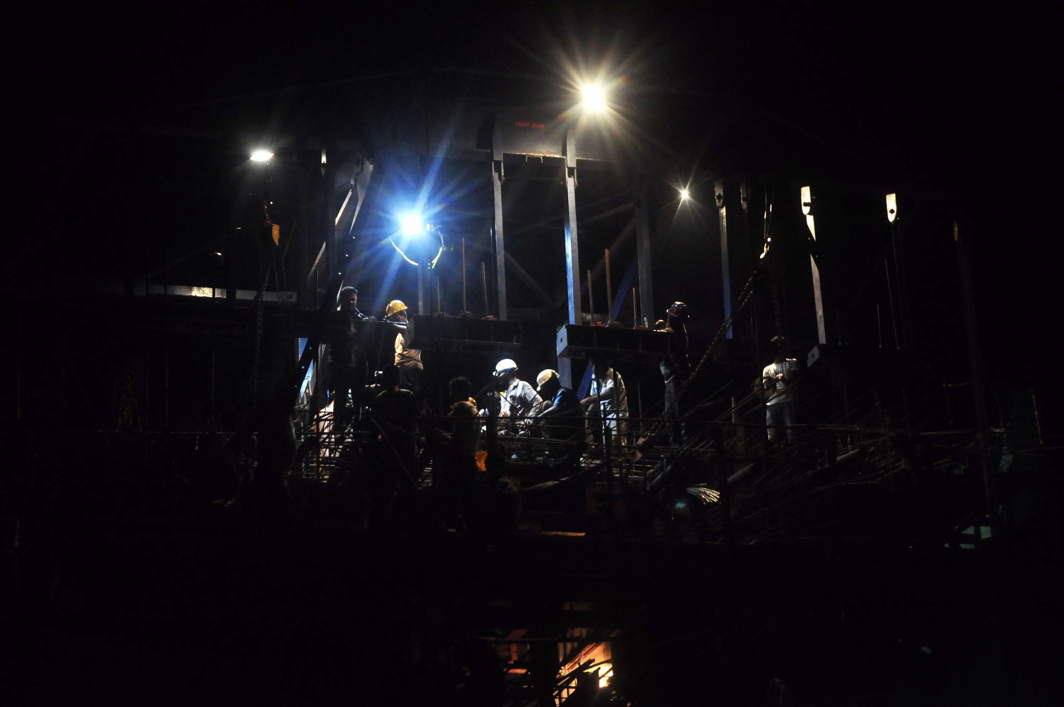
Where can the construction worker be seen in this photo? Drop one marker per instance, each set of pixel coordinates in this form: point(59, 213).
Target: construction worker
point(675, 367)
point(347, 301)
point(393, 455)
point(463, 434)
point(407, 360)
point(777, 380)
point(347, 359)
point(454, 462)
point(519, 399)
point(562, 417)
point(607, 404)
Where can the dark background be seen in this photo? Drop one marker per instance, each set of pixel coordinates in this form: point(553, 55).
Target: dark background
point(948, 102)
point(131, 129)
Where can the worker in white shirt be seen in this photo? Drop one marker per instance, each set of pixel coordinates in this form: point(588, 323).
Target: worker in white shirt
point(778, 382)
point(607, 404)
point(520, 401)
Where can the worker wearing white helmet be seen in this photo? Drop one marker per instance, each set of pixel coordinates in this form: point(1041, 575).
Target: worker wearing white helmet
point(520, 401)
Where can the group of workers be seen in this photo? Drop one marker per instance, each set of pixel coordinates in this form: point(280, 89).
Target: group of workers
point(548, 410)
point(556, 411)
point(348, 353)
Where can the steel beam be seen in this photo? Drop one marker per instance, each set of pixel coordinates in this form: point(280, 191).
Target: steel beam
point(497, 175)
point(572, 253)
point(725, 267)
point(572, 237)
point(818, 299)
point(355, 187)
point(643, 253)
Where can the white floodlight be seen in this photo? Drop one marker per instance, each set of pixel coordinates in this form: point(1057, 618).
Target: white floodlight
point(261, 155)
point(892, 207)
point(593, 97)
point(411, 224)
point(685, 194)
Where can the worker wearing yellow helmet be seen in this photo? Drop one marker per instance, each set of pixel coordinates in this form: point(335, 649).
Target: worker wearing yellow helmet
point(562, 419)
point(407, 360)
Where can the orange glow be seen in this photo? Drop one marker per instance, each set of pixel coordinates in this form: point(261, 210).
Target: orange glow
point(601, 658)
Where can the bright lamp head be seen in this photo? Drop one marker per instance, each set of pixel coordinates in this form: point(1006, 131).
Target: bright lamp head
point(411, 224)
point(593, 97)
point(261, 155)
point(685, 194)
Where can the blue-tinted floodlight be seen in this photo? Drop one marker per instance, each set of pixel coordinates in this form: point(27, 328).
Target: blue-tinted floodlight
point(411, 224)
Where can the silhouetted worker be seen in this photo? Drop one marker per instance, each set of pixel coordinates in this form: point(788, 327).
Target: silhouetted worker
point(408, 360)
point(462, 415)
point(348, 360)
point(562, 417)
point(519, 399)
point(777, 379)
point(607, 404)
point(395, 414)
point(455, 462)
point(675, 367)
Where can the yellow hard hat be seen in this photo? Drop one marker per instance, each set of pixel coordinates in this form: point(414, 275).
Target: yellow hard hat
point(395, 306)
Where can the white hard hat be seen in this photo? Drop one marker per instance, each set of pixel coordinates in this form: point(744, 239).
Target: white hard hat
point(507, 364)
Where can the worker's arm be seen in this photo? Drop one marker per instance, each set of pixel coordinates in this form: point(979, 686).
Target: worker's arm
point(604, 391)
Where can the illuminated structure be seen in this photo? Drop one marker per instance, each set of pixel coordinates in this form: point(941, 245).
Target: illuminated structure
point(610, 560)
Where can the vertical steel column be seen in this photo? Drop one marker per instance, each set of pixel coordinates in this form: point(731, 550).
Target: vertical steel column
point(572, 254)
point(331, 219)
point(465, 299)
point(643, 254)
point(572, 238)
point(898, 299)
point(421, 289)
point(818, 299)
point(211, 405)
point(166, 383)
point(725, 267)
point(751, 248)
point(18, 365)
point(497, 175)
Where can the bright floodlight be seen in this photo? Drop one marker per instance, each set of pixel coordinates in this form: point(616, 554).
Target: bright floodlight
point(593, 96)
point(261, 155)
point(685, 194)
point(411, 223)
